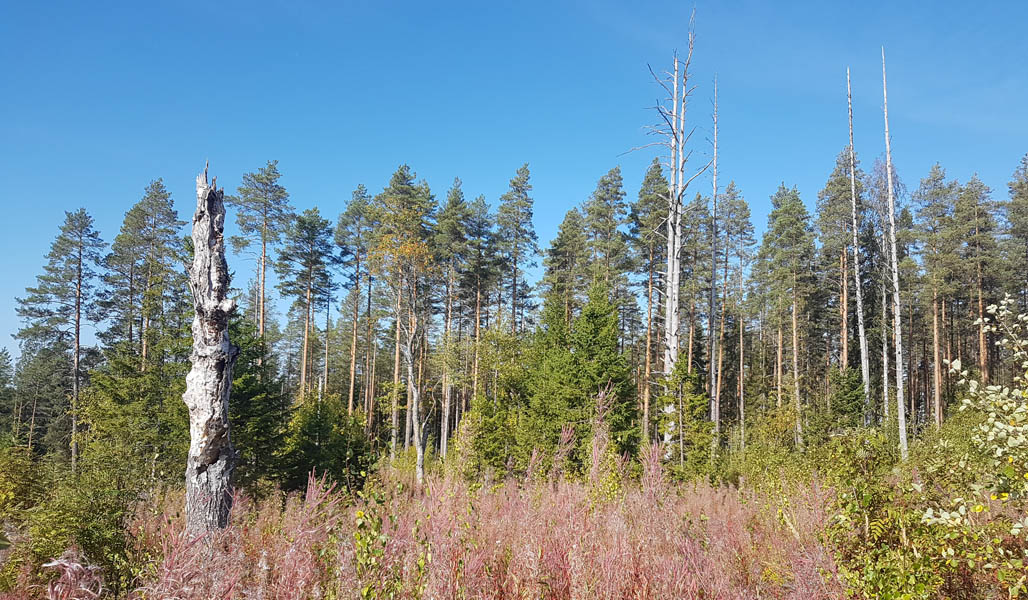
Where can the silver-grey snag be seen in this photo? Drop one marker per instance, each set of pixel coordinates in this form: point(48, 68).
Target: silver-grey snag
point(209, 383)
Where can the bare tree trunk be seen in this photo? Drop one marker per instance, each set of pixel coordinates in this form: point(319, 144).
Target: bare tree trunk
point(306, 334)
point(715, 404)
point(885, 349)
point(844, 305)
point(328, 335)
point(865, 369)
point(897, 316)
point(353, 338)
point(936, 360)
point(209, 383)
point(394, 422)
point(263, 278)
point(780, 350)
point(76, 351)
point(648, 368)
point(444, 422)
point(796, 362)
point(478, 323)
point(742, 369)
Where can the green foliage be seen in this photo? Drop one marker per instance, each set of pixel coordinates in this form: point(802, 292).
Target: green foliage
point(573, 369)
point(684, 423)
point(323, 439)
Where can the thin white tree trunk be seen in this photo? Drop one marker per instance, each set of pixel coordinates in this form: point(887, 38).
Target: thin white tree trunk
point(209, 383)
point(897, 329)
point(865, 369)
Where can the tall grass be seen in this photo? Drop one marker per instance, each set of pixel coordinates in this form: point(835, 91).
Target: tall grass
point(539, 538)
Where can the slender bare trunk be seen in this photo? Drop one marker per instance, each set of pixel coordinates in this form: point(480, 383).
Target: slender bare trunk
point(394, 418)
point(865, 369)
point(897, 316)
point(76, 351)
point(306, 333)
point(844, 303)
point(353, 338)
point(796, 362)
point(712, 374)
point(648, 368)
point(936, 360)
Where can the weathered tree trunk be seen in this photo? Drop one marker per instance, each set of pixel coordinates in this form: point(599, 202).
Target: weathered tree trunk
point(76, 351)
point(353, 337)
point(648, 368)
point(306, 333)
point(394, 416)
point(936, 361)
point(478, 323)
point(444, 421)
point(712, 364)
point(209, 383)
point(897, 319)
point(796, 362)
point(865, 369)
point(742, 369)
point(844, 310)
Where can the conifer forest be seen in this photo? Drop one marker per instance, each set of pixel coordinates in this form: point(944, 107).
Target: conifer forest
point(407, 392)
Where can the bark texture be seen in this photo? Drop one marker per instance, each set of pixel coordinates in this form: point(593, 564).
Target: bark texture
point(209, 383)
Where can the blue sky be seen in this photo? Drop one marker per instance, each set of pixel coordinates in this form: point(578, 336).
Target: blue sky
point(97, 99)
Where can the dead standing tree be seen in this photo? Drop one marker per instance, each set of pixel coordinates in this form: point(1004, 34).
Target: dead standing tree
point(671, 129)
point(211, 457)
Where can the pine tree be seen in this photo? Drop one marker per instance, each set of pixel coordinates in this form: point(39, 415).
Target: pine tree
point(787, 249)
point(646, 219)
point(517, 243)
point(354, 236)
point(303, 269)
point(973, 216)
point(63, 299)
point(451, 248)
point(566, 261)
point(481, 274)
point(263, 214)
point(605, 212)
point(146, 286)
point(934, 200)
point(403, 254)
point(1017, 214)
point(833, 228)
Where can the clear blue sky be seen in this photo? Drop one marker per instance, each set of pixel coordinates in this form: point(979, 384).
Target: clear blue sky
point(98, 99)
